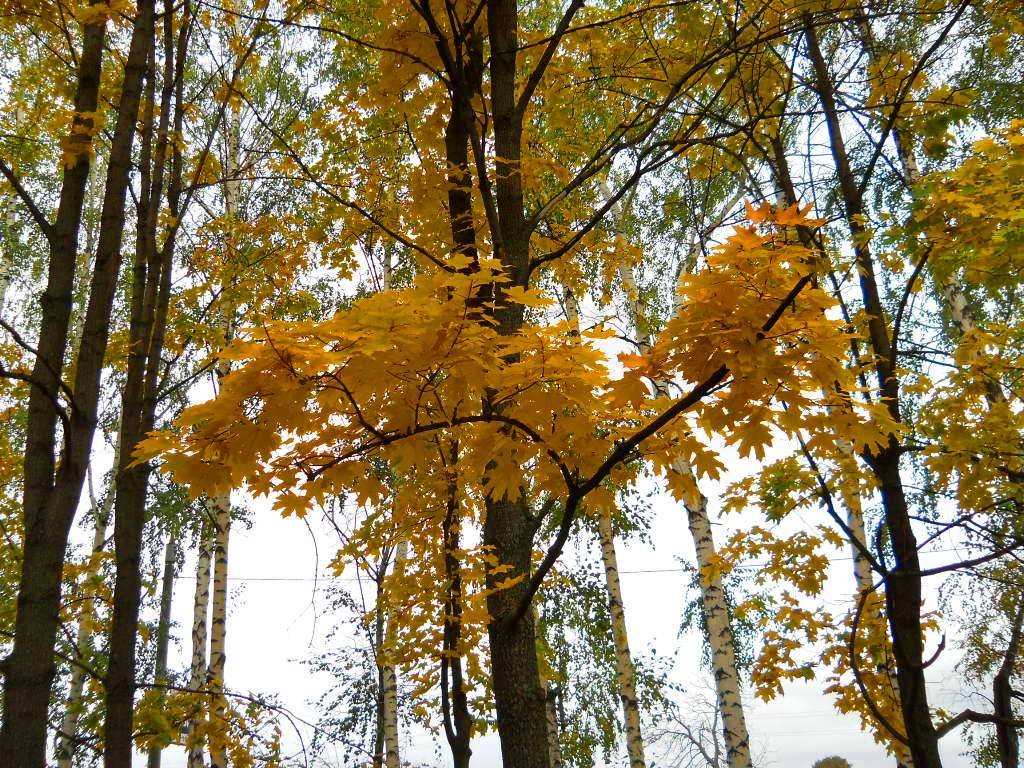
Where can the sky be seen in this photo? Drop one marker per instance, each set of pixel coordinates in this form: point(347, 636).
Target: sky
point(278, 617)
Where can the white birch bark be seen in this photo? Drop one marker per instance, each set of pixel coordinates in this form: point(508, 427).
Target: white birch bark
point(220, 507)
point(6, 255)
point(200, 608)
point(392, 758)
point(220, 504)
point(551, 716)
point(65, 749)
point(714, 607)
point(625, 671)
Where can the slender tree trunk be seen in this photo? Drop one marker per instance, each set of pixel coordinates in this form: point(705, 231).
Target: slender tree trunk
point(714, 607)
point(150, 298)
point(720, 634)
point(458, 722)
point(200, 608)
point(66, 739)
point(222, 502)
point(218, 630)
point(378, 642)
point(7, 250)
point(625, 672)
point(551, 716)
point(903, 583)
point(163, 630)
point(29, 670)
point(392, 758)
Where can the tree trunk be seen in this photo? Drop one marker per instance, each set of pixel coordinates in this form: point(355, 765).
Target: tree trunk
point(624, 670)
point(458, 721)
point(222, 502)
point(1002, 696)
point(29, 670)
point(903, 582)
point(720, 634)
point(150, 297)
point(163, 630)
point(197, 676)
point(218, 630)
point(714, 607)
point(7, 250)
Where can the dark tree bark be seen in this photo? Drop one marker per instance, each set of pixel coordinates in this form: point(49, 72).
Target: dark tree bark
point(1002, 696)
point(903, 582)
point(150, 297)
point(458, 721)
point(52, 489)
point(509, 528)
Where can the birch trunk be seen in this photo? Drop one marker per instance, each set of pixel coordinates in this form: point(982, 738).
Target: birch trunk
point(221, 503)
point(720, 634)
point(392, 758)
point(201, 604)
point(65, 750)
point(714, 607)
point(624, 670)
point(7, 252)
point(221, 506)
point(551, 715)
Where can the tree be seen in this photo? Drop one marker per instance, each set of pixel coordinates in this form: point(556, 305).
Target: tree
point(832, 762)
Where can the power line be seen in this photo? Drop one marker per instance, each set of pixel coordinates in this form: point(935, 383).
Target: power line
point(638, 571)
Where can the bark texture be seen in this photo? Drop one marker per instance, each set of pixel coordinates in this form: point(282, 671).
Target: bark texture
point(163, 630)
point(218, 629)
point(624, 670)
point(200, 621)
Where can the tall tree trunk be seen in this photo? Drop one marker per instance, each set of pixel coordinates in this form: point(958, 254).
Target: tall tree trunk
point(720, 634)
point(163, 630)
point(509, 527)
point(864, 580)
point(378, 728)
point(150, 298)
point(625, 672)
point(458, 722)
point(67, 738)
point(51, 499)
point(222, 502)
point(7, 249)
point(197, 667)
point(551, 715)
point(29, 670)
point(218, 630)
point(903, 582)
point(714, 607)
